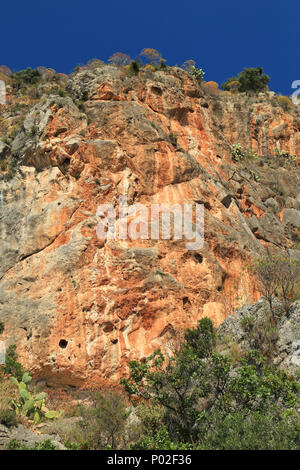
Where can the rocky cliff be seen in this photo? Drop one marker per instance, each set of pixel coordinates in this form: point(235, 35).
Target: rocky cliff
point(79, 308)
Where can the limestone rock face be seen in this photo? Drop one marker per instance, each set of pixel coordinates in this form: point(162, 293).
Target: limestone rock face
point(25, 437)
point(79, 308)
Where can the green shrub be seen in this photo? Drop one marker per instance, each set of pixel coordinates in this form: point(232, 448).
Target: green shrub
point(285, 155)
point(284, 101)
point(197, 385)
point(250, 80)
point(8, 417)
point(263, 336)
point(102, 425)
point(84, 95)
point(30, 404)
point(160, 441)
point(250, 431)
point(25, 77)
point(44, 445)
point(237, 152)
point(12, 366)
point(134, 67)
point(7, 393)
point(197, 73)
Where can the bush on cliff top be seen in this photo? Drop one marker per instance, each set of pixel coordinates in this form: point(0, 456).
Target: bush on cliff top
point(26, 77)
point(249, 80)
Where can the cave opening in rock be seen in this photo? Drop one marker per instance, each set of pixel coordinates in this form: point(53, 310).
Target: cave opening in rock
point(63, 343)
point(198, 257)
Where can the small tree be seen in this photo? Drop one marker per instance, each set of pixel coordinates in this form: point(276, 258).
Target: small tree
point(188, 65)
point(12, 366)
point(119, 59)
point(180, 382)
point(288, 279)
point(26, 77)
point(278, 276)
point(103, 425)
point(250, 80)
point(198, 74)
point(197, 384)
point(152, 56)
point(233, 86)
point(134, 67)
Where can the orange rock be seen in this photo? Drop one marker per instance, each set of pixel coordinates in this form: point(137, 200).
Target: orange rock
point(80, 308)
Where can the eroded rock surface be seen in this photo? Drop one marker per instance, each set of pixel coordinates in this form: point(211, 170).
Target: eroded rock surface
point(79, 308)
point(285, 348)
point(25, 437)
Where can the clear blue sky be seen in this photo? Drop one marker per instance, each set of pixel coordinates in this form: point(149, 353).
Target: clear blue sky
point(223, 37)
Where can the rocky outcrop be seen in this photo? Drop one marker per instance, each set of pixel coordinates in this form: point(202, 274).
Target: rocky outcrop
point(25, 437)
point(79, 308)
point(286, 347)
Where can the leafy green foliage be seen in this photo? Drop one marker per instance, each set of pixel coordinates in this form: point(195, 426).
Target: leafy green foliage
point(160, 441)
point(190, 67)
point(286, 155)
point(249, 431)
point(249, 80)
point(263, 336)
point(8, 417)
point(197, 73)
point(237, 152)
point(44, 445)
point(25, 77)
point(12, 366)
point(7, 414)
point(31, 404)
point(198, 385)
point(201, 340)
point(134, 67)
point(102, 425)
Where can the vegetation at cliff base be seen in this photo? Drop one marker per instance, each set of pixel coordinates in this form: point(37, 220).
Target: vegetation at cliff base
point(207, 401)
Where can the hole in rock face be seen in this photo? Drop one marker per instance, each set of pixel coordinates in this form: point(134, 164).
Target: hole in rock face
point(226, 201)
point(63, 343)
point(156, 90)
point(198, 257)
